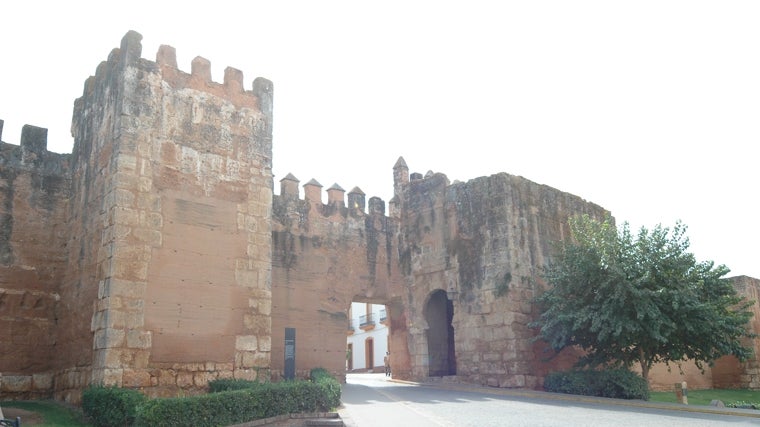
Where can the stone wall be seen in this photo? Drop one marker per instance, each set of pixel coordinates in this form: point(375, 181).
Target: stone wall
point(749, 371)
point(185, 292)
point(727, 372)
point(155, 256)
point(324, 257)
point(155, 232)
point(483, 243)
point(34, 192)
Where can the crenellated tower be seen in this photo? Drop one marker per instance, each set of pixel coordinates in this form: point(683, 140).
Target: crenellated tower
point(167, 193)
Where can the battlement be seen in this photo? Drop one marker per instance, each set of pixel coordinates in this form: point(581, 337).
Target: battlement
point(336, 200)
point(357, 201)
point(32, 152)
point(199, 78)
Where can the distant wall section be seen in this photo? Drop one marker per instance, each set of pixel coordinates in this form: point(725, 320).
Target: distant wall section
point(324, 257)
point(34, 194)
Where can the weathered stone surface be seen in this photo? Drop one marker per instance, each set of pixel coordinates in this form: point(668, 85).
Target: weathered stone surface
point(157, 256)
point(16, 383)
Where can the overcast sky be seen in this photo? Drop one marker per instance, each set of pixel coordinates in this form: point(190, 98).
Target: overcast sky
point(650, 109)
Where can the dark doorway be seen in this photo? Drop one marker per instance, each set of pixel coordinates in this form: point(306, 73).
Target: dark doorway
point(439, 312)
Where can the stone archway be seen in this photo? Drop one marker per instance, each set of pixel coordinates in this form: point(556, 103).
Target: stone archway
point(439, 312)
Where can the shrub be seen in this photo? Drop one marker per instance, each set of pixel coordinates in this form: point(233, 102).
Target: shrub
point(615, 383)
point(256, 401)
point(743, 405)
point(111, 406)
point(228, 384)
point(329, 388)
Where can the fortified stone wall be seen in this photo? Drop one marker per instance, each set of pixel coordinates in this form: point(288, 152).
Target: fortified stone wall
point(185, 291)
point(156, 256)
point(34, 194)
point(727, 372)
point(155, 241)
point(482, 243)
point(324, 257)
point(749, 371)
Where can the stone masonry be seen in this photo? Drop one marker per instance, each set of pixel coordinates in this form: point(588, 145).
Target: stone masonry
point(156, 255)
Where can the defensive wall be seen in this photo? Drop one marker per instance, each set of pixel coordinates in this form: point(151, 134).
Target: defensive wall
point(156, 255)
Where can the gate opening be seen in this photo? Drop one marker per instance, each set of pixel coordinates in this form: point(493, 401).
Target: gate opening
point(368, 337)
point(439, 312)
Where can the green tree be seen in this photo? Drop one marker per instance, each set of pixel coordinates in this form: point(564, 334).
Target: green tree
point(645, 300)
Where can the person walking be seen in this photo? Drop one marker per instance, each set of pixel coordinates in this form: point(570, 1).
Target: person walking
point(387, 360)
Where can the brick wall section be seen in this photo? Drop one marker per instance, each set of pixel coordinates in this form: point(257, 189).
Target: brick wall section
point(34, 190)
point(727, 372)
point(324, 257)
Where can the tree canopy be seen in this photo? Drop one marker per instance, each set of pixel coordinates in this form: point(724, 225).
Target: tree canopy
point(642, 299)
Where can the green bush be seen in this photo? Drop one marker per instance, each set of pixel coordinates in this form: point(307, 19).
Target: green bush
point(329, 387)
point(111, 406)
point(257, 401)
point(228, 384)
point(615, 383)
point(743, 405)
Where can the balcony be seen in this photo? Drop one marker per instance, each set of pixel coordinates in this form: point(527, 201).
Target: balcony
point(384, 317)
point(366, 322)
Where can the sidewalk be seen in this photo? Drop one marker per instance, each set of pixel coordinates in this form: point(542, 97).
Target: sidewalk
point(450, 385)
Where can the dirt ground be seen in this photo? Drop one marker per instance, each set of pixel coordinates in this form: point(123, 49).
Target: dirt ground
point(27, 418)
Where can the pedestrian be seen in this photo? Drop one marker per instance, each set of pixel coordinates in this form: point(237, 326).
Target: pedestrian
point(387, 361)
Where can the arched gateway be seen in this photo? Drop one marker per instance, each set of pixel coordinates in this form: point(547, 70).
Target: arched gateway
point(439, 311)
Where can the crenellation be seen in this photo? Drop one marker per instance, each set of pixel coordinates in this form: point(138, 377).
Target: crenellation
point(356, 200)
point(201, 69)
point(264, 90)
point(376, 206)
point(31, 154)
point(400, 176)
point(233, 80)
point(166, 56)
point(131, 48)
point(289, 187)
point(335, 196)
point(313, 191)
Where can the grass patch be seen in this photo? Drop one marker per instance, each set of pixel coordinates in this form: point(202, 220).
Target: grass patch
point(704, 397)
point(53, 414)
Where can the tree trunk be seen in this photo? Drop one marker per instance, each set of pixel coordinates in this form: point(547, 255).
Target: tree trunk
point(645, 365)
point(645, 371)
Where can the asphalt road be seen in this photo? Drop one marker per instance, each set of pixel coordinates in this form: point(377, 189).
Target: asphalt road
point(373, 400)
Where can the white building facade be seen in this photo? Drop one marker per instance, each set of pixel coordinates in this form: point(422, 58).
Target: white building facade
point(367, 340)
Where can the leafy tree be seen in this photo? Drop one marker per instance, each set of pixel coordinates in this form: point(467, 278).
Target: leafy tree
point(645, 300)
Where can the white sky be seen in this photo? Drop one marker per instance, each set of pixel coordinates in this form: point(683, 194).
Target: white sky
point(650, 109)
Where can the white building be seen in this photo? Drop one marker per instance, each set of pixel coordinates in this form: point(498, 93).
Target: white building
point(367, 339)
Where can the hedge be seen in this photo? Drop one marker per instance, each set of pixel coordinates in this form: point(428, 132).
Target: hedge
point(111, 406)
point(230, 402)
point(615, 383)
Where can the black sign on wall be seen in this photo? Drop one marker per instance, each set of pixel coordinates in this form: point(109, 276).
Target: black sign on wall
point(290, 353)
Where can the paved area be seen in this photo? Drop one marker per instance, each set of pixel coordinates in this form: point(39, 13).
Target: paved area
point(751, 413)
point(405, 412)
